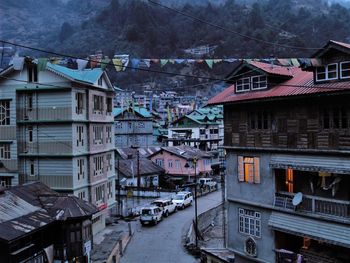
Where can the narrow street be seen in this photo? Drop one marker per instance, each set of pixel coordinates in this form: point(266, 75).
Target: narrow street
point(164, 242)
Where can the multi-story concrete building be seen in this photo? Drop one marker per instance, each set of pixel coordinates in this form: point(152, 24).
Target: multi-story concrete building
point(202, 128)
point(64, 130)
point(133, 127)
point(287, 137)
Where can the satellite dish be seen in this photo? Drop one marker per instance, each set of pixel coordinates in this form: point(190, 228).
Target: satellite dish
point(297, 199)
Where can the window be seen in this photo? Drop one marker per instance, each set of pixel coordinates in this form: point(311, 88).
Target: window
point(98, 134)
point(335, 118)
point(248, 169)
point(109, 105)
point(4, 112)
point(109, 162)
point(5, 152)
point(81, 195)
point(250, 247)
point(141, 125)
point(80, 135)
point(119, 125)
point(30, 102)
point(99, 82)
point(31, 168)
point(32, 73)
point(243, 84)
point(170, 163)
point(160, 162)
point(289, 180)
point(177, 164)
point(259, 82)
point(98, 103)
point(345, 70)
point(109, 134)
point(260, 120)
point(99, 193)
point(98, 165)
point(30, 134)
point(109, 190)
point(327, 72)
point(81, 174)
point(79, 101)
point(249, 222)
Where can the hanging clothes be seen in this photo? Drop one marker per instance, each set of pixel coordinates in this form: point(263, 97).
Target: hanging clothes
point(117, 64)
point(42, 62)
point(163, 62)
point(105, 62)
point(209, 63)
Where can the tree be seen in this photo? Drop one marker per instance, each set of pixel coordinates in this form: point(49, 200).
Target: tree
point(66, 31)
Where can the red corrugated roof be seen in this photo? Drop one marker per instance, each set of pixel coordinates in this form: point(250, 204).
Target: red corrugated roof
point(301, 84)
point(273, 69)
point(340, 43)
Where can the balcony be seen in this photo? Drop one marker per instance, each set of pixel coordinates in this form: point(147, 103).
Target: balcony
point(47, 114)
point(57, 182)
point(53, 147)
point(314, 204)
point(7, 133)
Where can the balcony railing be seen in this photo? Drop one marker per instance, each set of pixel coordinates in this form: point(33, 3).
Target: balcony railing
point(48, 113)
point(7, 133)
point(314, 204)
point(57, 181)
point(53, 147)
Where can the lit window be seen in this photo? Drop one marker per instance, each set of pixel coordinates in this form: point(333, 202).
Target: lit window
point(289, 180)
point(345, 70)
point(249, 169)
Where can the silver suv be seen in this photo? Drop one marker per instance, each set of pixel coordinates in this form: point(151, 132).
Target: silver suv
point(166, 205)
point(183, 199)
point(151, 214)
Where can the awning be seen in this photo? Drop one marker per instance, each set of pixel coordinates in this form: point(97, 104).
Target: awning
point(311, 163)
point(332, 233)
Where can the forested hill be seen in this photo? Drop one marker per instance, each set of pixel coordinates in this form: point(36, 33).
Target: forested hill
point(145, 30)
point(142, 29)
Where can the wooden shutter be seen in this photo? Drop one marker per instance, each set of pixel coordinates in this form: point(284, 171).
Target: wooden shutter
point(240, 169)
point(256, 170)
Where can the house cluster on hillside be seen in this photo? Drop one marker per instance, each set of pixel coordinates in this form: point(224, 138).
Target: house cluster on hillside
point(287, 139)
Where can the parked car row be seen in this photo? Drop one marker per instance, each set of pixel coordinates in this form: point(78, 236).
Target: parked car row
point(161, 208)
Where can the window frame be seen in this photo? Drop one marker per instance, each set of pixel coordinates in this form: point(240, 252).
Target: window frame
point(5, 112)
point(341, 70)
point(243, 174)
point(258, 82)
point(249, 222)
point(243, 84)
point(326, 72)
point(5, 151)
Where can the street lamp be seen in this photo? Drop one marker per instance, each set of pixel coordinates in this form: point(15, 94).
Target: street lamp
point(194, 160)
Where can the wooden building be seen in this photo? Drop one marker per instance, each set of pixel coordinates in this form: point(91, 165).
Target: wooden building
point(40, 225)
point(287, 137)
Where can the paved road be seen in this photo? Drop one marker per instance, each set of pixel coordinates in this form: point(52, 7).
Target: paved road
point(164, 242)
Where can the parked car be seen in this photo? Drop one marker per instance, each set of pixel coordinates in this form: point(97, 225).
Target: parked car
point(183, 199)
point(208, 182)
point(166, 205)
point(151, 214)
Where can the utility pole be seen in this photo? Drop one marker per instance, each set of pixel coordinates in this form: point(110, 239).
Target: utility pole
point(119, 205)
point(138, 173)
point(195, 199)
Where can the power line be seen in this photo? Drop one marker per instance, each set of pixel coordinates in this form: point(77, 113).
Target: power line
point(109, 63)
point(229, 30)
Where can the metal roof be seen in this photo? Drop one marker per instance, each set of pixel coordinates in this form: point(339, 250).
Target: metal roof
point(147, 167)
point(337, 234)
point(311, 163)
point(139, 110)
point(87, 75)
point(186, 152)
point(301, 84)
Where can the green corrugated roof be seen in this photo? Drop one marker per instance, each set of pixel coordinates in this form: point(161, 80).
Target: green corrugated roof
point(87, 75)
point(140, 110)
